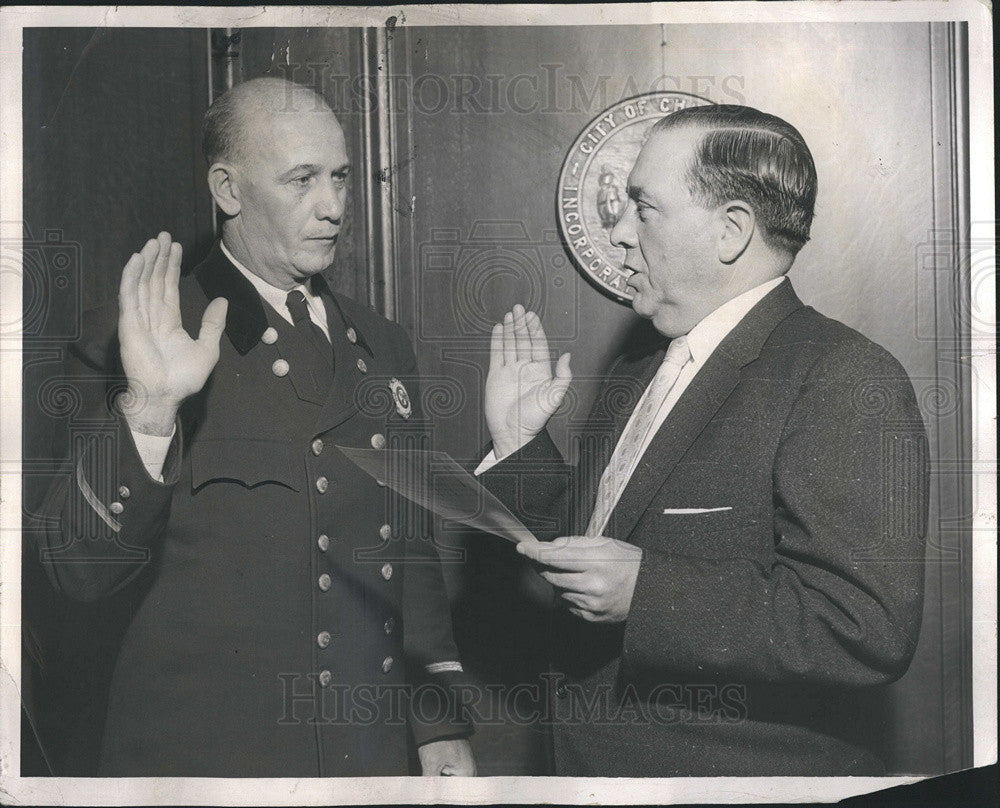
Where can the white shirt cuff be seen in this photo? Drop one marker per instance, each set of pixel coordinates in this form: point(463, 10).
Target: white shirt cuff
point(153, 451)
point(487, 462)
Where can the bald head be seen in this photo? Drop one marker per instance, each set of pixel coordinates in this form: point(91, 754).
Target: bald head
point(236, 118)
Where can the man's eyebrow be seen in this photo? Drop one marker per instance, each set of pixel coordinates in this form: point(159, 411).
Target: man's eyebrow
point(312, 168)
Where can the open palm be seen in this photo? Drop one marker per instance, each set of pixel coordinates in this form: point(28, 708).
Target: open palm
point(522, 392)
point(162, 363)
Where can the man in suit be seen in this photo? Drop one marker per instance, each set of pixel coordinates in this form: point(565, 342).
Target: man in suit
point(280, 623)
point(737, 557)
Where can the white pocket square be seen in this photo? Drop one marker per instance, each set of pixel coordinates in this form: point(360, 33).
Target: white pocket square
point(677, 511)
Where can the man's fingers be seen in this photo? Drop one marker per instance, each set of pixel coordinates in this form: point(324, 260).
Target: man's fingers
point(563, 373)
point(582, 583)
point(213, 322)
point(522, 342)
point(557, 388)
point(582, 602)
point(158, 276)
point(173, 276)
point(568, 553)
point(509, 344)
point(496, 347)
point(539, 343)
point(128, 288)
point(534, 549)
point(558, 553)
point(148, 253)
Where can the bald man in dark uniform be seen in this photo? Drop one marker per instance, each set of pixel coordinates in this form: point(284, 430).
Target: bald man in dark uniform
point(288, 610)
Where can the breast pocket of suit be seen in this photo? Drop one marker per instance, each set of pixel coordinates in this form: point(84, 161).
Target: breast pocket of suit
point(707, 530)
point(247, 463)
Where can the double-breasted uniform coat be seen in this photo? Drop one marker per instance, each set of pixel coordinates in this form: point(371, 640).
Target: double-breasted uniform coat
point(290, 604)
point(781, 510)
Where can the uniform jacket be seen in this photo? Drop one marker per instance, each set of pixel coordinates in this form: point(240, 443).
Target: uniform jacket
point(781, 511)
point(290, 604)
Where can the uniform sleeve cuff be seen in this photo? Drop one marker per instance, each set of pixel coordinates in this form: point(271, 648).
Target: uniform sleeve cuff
point(152, 451)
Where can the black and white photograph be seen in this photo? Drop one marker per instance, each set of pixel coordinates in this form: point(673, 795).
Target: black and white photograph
point(496, 404)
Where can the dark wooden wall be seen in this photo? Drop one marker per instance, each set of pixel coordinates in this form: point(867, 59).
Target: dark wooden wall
point(111, 157)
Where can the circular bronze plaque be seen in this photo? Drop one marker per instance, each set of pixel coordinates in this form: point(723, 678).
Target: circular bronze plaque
point(593, 180)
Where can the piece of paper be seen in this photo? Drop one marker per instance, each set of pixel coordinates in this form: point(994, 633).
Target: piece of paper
point(436, 481)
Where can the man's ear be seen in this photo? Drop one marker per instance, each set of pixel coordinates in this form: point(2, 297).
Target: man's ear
point(737, 228)
point(224, 188)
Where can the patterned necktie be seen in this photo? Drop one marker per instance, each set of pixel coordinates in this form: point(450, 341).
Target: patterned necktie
point(320, 360)
point(630, 444)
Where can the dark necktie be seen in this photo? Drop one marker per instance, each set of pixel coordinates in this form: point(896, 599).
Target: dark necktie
point(320, 362)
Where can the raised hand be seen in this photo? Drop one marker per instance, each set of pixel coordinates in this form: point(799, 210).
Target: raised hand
point(162, 363)
point(521, 391)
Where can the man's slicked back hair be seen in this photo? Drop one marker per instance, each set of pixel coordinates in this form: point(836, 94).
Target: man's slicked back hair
point(748, 155)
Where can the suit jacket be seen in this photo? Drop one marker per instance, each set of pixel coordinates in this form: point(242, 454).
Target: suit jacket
point(781, 511)
point(288, 602)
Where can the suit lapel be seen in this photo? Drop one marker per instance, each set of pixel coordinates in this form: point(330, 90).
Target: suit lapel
point(699, 403)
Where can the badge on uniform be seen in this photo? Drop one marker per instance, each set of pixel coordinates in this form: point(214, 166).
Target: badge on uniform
point(401, 397)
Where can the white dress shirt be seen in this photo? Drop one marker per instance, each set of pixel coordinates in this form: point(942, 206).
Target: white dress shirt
point(276, 297)
point(153, 448)
point(703, 339)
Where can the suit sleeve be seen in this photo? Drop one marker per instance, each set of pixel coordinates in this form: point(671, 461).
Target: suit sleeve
point(102, 514)
point(841, 603)
point(536, 486)
point(433, 664)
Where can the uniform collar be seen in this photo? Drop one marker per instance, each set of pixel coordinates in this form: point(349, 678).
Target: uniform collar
point(219, 276)
point(275, 297)
point(246, 319)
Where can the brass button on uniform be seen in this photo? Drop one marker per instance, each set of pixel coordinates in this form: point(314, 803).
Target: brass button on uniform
point(323, 639)
point(378, 441)
point(280, 367)
point(352, 336)
point(325, 677)
point(325, 582)
point(269, 337)
point(387, 570)
point(385, 532)
point(322, 484)
point(123, 492)
point(116, 508)
point(389, 626)
point(317, 447)
point(362, 366)
point(387, 664)
point(323, 542)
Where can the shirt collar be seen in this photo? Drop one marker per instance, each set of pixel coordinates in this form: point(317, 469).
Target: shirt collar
point(705, 337)
point(272, 294)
